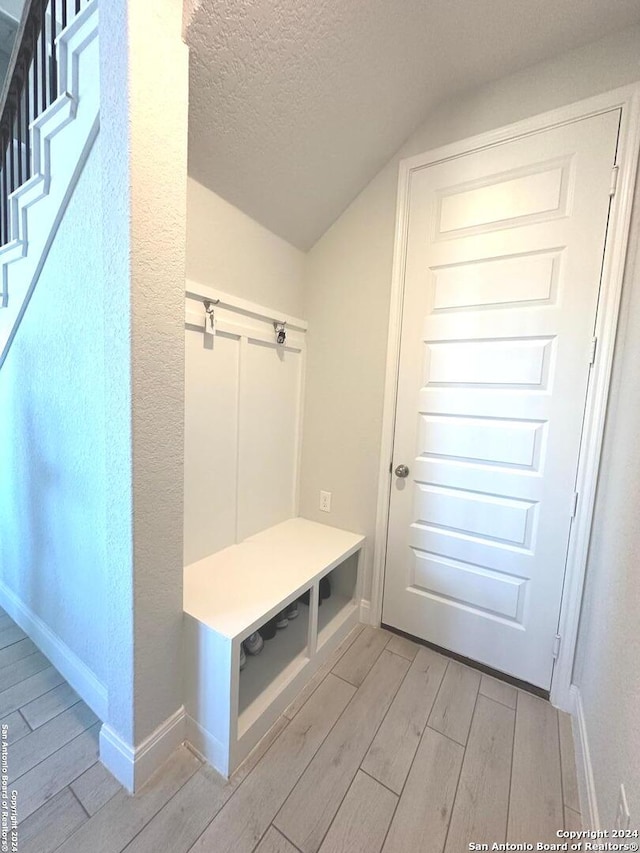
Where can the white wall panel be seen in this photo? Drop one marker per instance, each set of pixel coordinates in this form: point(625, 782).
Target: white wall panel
point(242, 423)
point(268, 451)
point(211, 443)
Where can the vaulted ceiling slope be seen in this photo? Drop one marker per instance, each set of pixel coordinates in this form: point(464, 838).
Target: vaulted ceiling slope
point(296, 104)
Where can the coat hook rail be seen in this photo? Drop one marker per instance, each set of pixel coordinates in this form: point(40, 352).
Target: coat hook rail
point(215, 299)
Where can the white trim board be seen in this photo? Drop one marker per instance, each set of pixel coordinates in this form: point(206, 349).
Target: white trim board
point(626, 99)
point(205, 746)
point(365, 611)
point(584, 768)
point(195, 290)
point(133, 766)
point(195, 320)
point(80, 677)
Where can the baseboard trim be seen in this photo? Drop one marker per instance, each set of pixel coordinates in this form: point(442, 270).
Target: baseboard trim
point(365, 611)
point(83, 680)
point(133, 766)
point(206, 747)
point(586, 782)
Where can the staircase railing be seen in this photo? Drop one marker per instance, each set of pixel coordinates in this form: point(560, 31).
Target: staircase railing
point(31, 85)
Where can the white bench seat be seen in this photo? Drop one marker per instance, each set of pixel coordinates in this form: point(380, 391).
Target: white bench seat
point(229, 595)
point(236, 590)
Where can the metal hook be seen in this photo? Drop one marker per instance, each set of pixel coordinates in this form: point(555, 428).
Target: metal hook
point(210, 321)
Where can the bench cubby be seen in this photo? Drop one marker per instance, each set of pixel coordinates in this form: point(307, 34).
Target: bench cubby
point(334, 610)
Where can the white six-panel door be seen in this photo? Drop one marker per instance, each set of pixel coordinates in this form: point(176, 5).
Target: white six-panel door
point(503, 261)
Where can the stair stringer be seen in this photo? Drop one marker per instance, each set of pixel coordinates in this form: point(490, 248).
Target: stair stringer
point(62, 137)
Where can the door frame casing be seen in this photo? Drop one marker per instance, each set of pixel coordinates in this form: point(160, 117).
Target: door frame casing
point(627, 99)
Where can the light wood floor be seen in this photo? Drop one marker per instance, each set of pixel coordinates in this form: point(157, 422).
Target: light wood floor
point(390, 748)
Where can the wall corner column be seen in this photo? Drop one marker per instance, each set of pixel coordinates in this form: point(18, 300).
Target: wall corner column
point(144, 114)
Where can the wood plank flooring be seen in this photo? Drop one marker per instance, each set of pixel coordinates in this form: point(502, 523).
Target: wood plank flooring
point(391, 747)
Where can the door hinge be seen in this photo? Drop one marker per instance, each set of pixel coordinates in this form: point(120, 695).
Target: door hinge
point(592, 351)
point(613, 186)
point(557, 640)
point(574, 505)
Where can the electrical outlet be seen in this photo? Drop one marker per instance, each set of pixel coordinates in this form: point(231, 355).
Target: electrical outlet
point(623, 818)
point(325, 501)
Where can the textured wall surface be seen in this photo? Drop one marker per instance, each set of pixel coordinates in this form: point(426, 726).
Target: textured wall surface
point(349, 281)
point(229, 250)
point(295, 105)
point(144, 226)
point(117, 387)
point(607, 669)
point(52, 438)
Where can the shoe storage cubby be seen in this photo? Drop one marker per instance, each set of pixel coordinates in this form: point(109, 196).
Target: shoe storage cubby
point(341, 583)
point(280, 659)
point(230, 595)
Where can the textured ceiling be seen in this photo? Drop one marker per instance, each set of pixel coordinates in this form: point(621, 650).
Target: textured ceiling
point(296, 104)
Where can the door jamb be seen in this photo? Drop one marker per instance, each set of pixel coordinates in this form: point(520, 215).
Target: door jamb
point(627, 99)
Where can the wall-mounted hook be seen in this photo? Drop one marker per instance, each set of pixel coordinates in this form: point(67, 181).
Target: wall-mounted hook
point(281, 333)
point(210, 316)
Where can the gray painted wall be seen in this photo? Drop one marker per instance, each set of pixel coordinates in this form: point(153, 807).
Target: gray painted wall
point(607, 668)
point(228, 250)
point(52, 437)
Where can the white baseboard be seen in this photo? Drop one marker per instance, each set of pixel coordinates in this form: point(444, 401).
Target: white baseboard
point(133, 766)
point(80, 677)
point(586, 782)
point(365, 611)
point(206, 747)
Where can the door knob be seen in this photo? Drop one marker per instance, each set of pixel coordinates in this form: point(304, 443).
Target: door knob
point(402, 471)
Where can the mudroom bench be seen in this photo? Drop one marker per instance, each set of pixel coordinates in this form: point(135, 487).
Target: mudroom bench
point(231, 594)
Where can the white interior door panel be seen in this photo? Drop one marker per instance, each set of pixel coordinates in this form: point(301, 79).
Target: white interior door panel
point(504, 251)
